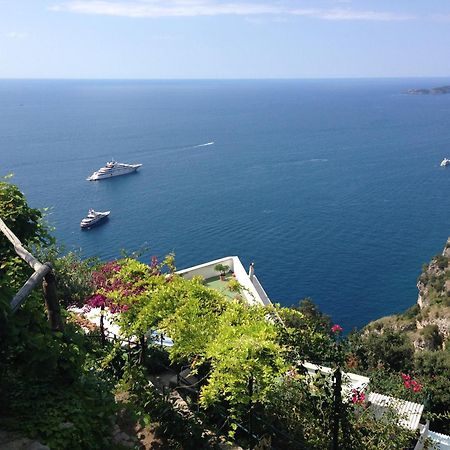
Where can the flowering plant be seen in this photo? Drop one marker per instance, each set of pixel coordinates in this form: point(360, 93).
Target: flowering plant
point(106, 281)
point(358, 397)
point(336, 328)
point(409, 383)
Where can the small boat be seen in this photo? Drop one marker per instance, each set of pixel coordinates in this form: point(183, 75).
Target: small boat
point(94, 218)
point(445, 162)
point(113, 169)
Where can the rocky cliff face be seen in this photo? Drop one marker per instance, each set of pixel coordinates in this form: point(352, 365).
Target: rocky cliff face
point(434, 280)
point(428, 322)
point(434, 298)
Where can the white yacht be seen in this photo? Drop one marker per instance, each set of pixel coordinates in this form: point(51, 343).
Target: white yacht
point(445, 162)
point(94, 218)
point(113, 169)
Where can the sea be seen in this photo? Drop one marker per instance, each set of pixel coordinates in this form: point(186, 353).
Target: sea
point(331, 187)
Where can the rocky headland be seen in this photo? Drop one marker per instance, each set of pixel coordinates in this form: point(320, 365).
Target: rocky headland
point(427, 323)
point(433, 91)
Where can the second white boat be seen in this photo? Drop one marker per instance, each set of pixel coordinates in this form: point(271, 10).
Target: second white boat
point(113, 169)
point(94, 218)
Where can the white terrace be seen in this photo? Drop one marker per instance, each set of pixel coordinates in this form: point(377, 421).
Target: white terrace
point(252, 289)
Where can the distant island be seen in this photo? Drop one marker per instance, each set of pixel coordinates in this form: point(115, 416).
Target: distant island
point(432, 91)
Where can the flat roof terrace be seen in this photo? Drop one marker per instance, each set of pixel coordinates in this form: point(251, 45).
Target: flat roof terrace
point(251, 291)
point(222, 285)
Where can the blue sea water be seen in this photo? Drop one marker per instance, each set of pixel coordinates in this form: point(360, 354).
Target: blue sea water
point(332, 187)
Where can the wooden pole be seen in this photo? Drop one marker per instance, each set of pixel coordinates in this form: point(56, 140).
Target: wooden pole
point(51, 302)
point(337, 407)
point(19, 248)
point(42, 272)
point(31, 283)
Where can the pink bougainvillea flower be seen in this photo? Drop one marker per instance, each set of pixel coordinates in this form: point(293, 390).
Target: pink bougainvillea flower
point(358, 397)
point(406, 377)
point(336, 328)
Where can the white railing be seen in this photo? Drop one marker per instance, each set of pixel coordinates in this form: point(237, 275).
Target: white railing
point(253, 291)
point(261, 292)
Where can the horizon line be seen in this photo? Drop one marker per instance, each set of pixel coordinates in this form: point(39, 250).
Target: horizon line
point(397, 77)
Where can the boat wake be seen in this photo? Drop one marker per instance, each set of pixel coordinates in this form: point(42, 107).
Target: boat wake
point(204, 145)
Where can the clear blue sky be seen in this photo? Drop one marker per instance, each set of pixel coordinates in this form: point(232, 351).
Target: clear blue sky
point(224, 38)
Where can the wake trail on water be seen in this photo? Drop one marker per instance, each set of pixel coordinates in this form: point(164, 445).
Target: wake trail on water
point(128, 155)
point(169, 150)
point(204, 145)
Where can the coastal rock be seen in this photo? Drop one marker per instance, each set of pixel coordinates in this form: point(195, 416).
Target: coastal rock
point(433, 91)
point(428, 322)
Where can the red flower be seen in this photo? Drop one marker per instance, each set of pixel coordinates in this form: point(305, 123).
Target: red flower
point(358, 397)
point(336, 328)
point(409, 383)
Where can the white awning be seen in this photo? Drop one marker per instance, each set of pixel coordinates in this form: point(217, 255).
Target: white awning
point(408, 412)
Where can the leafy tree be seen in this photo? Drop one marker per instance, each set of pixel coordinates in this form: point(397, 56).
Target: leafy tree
point(306, 332)
point(390, 349)
point(246, 360)
point(193, 325)
point(74, 275)
point(315, 317)
point(434, 369)
point(300, 410)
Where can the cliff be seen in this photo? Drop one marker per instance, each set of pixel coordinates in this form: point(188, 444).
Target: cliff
point(427, 323)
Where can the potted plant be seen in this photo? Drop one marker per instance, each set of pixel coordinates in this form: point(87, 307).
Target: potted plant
point(222, 269)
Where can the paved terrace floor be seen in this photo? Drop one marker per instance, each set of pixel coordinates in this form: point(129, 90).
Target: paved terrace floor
point(222, 285)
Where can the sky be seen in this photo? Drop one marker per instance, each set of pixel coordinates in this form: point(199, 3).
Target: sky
point(184, 39)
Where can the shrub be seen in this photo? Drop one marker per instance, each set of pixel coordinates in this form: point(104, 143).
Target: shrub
point(431, 336)
point(441, 261)
point(391, 349)
point(411, 312)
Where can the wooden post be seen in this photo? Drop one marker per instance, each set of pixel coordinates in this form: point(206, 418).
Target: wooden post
point(51, 302)
point(42, 272)
point(337, 407)
point(35, 280)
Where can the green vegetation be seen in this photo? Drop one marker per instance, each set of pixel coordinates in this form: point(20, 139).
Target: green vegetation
point(248, 383)
point(27, 224)
point(412, 343)
point(48, 388)
point(222, 269)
